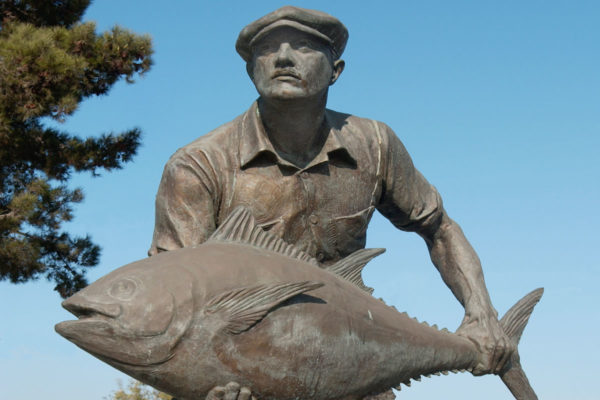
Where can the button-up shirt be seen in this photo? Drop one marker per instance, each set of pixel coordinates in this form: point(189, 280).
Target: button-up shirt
point(323, 208)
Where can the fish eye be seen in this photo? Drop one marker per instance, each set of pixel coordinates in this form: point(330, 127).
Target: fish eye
point(123, 289)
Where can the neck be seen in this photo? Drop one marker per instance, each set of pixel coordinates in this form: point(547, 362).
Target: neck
point(294, 127)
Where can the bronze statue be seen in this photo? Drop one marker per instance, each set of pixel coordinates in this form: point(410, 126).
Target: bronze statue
point(311, 177)
point(247, 307)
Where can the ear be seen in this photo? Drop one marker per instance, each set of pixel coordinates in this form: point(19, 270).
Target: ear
point(338, 67)
point(250, 70)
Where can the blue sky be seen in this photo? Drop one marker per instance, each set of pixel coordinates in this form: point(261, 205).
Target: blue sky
point(497, 102)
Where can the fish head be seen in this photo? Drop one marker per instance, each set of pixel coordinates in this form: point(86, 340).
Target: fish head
point(133, 316)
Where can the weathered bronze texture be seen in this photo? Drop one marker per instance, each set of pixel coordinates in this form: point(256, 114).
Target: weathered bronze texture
point(311, 177)
point(309, 206)
point(247, 307)
point(314, 176)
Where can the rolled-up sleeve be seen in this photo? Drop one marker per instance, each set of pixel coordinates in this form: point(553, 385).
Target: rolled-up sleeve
point(186, 203)
point(407, 199)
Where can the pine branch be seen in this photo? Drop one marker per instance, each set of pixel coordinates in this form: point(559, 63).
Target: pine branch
point(49, 63)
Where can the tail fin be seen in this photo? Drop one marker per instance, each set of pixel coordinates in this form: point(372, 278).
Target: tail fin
point(513, 323)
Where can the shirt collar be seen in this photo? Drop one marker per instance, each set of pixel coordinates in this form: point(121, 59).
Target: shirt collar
point(254, 142)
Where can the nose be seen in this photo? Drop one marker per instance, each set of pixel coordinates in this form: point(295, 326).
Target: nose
point(284, 56)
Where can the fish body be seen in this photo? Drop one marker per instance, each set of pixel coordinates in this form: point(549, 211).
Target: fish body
point(248, 308)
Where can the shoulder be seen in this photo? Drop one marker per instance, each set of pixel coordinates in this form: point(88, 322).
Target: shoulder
point(218, 140)
point(360, 131)
point(216, 147)
point(356, 125)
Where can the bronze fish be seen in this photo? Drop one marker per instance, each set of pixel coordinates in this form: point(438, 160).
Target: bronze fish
point(247, 307)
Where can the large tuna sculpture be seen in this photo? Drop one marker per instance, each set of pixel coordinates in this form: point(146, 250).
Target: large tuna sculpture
point(247, 307)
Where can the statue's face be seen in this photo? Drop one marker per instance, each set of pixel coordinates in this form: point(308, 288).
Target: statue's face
point(290, 64)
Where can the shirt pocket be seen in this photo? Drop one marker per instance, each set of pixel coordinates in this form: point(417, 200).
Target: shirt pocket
point(349, 232)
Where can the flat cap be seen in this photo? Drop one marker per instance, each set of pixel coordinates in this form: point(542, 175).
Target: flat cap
point(317, 23)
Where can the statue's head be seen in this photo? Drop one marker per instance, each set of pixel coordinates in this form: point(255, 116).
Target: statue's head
point(293, 53)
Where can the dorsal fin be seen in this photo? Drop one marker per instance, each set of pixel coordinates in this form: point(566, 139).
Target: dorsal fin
point(350, 268)
point(240, 226)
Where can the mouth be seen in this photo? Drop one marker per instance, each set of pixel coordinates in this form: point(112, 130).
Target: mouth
point(92, 311)
point(90, 318)
point(285, 74)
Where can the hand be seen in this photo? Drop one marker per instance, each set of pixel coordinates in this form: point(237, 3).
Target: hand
point(231, 391)
point(494, 346)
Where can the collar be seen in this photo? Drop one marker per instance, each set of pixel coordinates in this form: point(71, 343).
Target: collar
point(254, 142)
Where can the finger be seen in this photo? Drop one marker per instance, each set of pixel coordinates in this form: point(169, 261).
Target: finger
point(498, 355)
point(494, 356)
point(216, 393)
point(508, 350)
point(232, 389)
point(245, 394)
point(483, 366)
point(478, 370)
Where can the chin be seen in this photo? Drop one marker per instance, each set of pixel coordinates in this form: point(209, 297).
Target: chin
point(290, 96)
point(287, 94)
point(284, 92)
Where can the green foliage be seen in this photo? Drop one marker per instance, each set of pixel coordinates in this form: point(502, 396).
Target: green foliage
point(137, 391)
point(49, 63)
point(45, 12)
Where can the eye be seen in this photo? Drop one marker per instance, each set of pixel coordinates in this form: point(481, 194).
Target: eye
point(304, 44)
point(264, 48)
point(123, 289)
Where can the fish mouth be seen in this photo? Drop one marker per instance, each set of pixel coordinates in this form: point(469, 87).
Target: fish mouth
point(73, 330)
point(99, 318)
point(90, 318)
point(84, 310)
point(95, 328)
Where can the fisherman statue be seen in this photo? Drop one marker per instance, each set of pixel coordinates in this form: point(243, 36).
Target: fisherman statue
point(298, 174)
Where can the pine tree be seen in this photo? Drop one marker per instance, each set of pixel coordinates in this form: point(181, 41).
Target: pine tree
point(136, 390)
point(49, 62)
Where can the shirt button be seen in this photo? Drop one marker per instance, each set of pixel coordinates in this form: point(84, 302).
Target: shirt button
point(304, 174)
point(320, 256)
point(313, 219)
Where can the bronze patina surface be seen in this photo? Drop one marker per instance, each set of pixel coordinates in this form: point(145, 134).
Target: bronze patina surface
point(311, 178)
point(323, 207)
point(278, 323)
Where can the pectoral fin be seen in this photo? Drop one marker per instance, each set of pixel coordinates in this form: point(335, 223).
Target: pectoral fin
point(241, 308)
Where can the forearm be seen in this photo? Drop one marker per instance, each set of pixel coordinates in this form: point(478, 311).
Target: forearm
point(459, 266)
point(412, 204)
